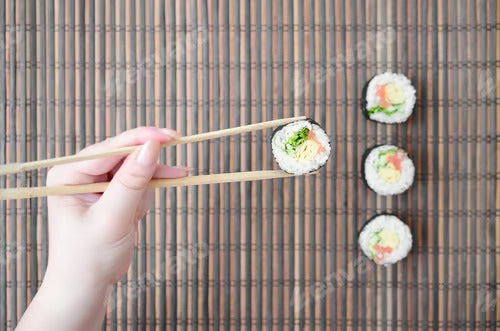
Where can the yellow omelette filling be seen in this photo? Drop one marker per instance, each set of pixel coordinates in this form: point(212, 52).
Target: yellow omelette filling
point(394, 94)
point(389, 239)
point(307, 150)
point(389, 173)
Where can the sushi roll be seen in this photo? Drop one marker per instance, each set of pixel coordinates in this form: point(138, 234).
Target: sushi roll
point(300, 147)
point(385, 239)
point(388, 98)
point(388, 170)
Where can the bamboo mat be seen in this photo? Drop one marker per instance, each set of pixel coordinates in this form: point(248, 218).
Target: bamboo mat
point(279, 253)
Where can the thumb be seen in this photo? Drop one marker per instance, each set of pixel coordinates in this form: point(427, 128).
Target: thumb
point(123, 195)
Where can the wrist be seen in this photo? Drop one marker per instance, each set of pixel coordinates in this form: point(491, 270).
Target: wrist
point(83, 280)
point(75, 302)
point(82, 290)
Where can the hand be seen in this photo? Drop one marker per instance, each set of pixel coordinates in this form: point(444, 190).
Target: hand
point(91, 236)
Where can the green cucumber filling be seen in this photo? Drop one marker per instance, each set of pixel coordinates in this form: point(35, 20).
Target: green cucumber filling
point(295, 141)
point(374, 239)
point(387, 111)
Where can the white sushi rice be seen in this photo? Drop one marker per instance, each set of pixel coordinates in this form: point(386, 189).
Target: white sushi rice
point(373, 100)
point(378, 184)
point(290, 164)
point(392, 223)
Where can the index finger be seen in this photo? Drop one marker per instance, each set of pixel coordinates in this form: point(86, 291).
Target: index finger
point(85, 172)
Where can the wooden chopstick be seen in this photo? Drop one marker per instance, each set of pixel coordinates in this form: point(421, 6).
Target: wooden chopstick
point(34, 192)
point(18, 167)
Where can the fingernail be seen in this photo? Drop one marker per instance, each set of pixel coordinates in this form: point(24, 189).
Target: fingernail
point(170, 133)
point(187, 169)
point(147, 155)
point(183, 168)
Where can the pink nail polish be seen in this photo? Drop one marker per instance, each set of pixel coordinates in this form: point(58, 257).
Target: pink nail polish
point(186, 169)
point(170, 133)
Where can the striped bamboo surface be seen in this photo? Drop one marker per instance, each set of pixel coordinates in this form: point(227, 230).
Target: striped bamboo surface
point(280, 253)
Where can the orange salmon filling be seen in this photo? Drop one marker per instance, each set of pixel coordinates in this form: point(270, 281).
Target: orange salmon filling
point(395, 159)
point(313, 137)
point(381, 94)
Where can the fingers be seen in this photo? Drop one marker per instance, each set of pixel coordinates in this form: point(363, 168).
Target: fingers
point(121, 199)
point(162, 171)
point(132, 137)
point(82, 172)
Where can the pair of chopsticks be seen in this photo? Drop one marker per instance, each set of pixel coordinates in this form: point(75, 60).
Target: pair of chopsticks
point(32, 192)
